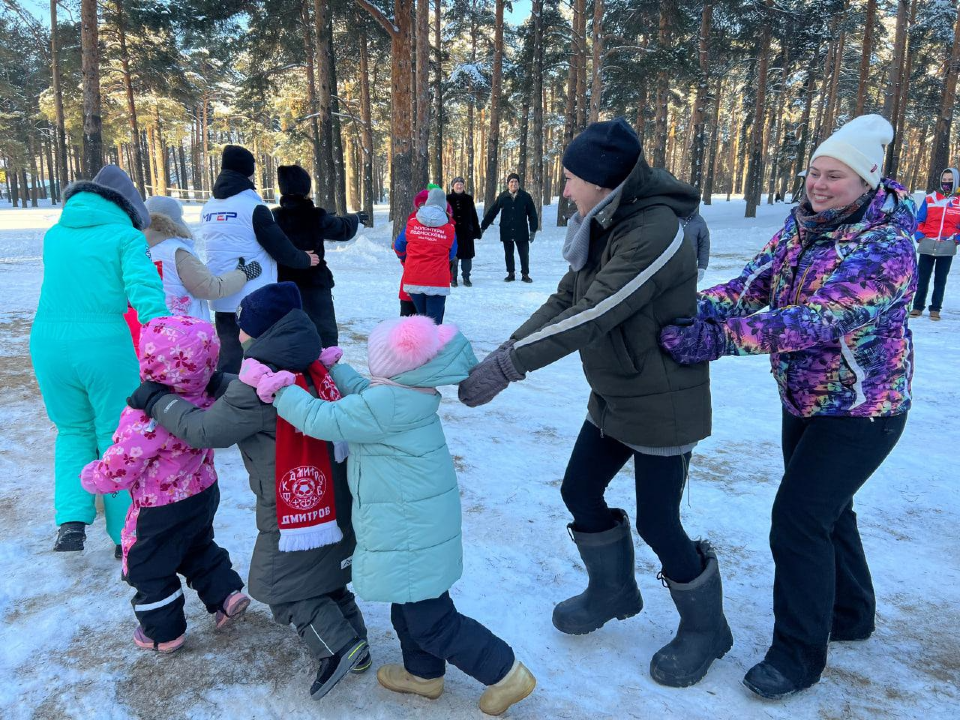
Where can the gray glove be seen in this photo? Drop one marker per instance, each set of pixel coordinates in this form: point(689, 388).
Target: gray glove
point(251, 270)
point(700, 273)
point(489, 378)
point(363, 218)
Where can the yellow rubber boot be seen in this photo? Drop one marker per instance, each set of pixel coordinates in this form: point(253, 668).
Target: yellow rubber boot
point(515, 686)
point(395, 677)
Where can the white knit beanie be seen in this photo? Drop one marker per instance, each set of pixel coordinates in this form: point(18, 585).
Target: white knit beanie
point(861, 144)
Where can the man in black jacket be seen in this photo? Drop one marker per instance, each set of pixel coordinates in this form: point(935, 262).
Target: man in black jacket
point(236, 224)
point(517, 210)
point(308, 227)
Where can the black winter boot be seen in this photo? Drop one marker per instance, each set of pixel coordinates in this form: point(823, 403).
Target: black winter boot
point(510, 277)
point(70, 537)
point(771, 684)
point(332, 669)
point(612, 588)
point(703, 635)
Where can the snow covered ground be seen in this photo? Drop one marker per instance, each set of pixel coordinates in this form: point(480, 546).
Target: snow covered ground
point(67, 623)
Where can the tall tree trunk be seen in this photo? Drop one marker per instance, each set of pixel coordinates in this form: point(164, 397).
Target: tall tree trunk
point(336, 136)
point(899, 124)
point(570, 121)
point(596, 86)
point(536, 96)
point(755, 173)
point(35, 189)
point(309, 53)
point(327, 179)
point(940, 157)
point(421, 158)
point(700, 104)
point(712, 155)
point(865, 53)
point(401, 111)
point(209, 173)
point(60, 147)
point(580, 31)
point(667, 9)
point(438, 95)
point(493, 142)
point(895, 80)
point(366, 121)
point(471, 110)
point(160, 166)
point(829, 116)
point(522, 164)
point(90, 66)
point(137, 170)
point(804, 125)
point(51, 168)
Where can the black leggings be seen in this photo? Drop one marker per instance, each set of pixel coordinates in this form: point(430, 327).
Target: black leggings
point(659, 481)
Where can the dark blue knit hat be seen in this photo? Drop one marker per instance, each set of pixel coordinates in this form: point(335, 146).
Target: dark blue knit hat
point(604, 153)
point(262, 308)
point(239, 159)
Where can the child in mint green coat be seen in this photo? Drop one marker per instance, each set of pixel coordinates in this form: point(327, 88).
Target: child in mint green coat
point(406, 502)
point(94, 260)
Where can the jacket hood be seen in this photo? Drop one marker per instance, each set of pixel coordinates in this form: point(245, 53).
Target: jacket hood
point(432, 216)
point(292, 343)
point(87, 205)
point(450, 366)
point(956, 179)
point(180, 352)
point(230, 183)
point(293, 180)
point(162, 228)
point(645, 187)
point(124, 205)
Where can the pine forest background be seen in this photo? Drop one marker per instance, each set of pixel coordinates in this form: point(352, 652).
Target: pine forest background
point(379, 97)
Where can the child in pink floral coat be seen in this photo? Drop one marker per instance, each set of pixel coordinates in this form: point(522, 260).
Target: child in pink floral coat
point(169, 527)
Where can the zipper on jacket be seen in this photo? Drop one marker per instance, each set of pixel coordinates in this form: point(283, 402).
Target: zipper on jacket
point(803, 278)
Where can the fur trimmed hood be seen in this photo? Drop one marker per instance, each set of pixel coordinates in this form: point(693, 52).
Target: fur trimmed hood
point(114, 185)
point(163, 227)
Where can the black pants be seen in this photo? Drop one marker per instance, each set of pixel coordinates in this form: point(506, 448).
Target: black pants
point(318, 304)
point(326, 623)
point(407, 308)
point(231, 352)
point(822, 582)
point(433, 631)
point(659, 481)
point(939, 267)
point(178, 539)
point(523, 248)
point(432, 306)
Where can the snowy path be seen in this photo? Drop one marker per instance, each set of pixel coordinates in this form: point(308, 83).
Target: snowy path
point(66, 621)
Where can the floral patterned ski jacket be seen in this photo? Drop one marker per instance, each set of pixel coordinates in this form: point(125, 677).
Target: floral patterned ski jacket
point(835, 323)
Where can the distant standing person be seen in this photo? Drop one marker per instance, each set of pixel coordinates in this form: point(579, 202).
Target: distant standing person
point(695, 230)
point(938, 232)
point(308, 227)
point(518, 214)
point(236, 224)
point(467, 224)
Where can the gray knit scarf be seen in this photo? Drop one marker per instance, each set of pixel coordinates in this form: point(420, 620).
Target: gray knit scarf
point(576, 246)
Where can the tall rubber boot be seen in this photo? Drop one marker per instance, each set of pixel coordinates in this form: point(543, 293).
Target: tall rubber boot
point(612, 588)
point(703, 635)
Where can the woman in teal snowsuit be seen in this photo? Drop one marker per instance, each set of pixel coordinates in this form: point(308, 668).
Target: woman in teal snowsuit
point(94, 259)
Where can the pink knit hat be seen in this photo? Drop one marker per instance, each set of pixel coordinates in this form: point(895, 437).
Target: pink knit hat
point(401, 344)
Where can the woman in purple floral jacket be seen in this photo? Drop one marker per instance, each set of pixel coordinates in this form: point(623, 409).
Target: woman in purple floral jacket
point(827, 299)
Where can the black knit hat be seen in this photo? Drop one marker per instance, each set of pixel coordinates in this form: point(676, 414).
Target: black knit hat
point(239, 159)
point(293, 180)
point(262, 308)
point(512, 176)
point(604, 153)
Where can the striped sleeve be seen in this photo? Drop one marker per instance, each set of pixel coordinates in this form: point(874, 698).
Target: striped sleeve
point(623, 286)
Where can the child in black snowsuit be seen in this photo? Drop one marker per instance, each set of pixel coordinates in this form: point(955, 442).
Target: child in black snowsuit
point(303, 587)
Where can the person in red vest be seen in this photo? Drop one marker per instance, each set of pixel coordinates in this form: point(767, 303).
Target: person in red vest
point(938, 232)
point(426, 246)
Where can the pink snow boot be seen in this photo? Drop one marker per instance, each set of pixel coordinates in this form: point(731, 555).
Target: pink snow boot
point(142, 641)
point(233, 607)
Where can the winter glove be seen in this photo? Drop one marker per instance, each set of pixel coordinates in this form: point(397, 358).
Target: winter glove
point(363, 218)
point(700, 273)
point(692, 340)
point(257, 375)
point(147, 395)
point(489, 378)
point(532, 236)
point(251, 270)
point(330, 356)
